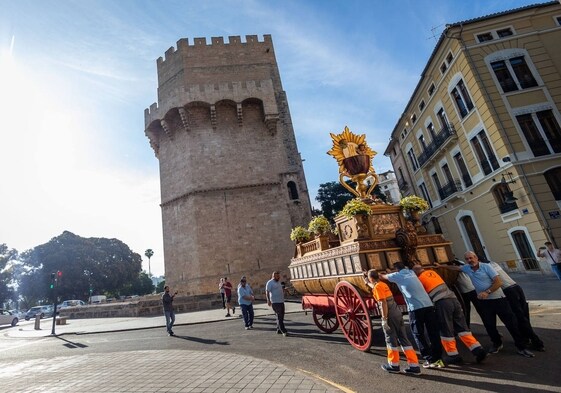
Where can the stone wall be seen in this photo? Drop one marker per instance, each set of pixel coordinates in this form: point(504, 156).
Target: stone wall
point(229, 164)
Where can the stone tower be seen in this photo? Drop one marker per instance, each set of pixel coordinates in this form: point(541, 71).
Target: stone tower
point(232, 181)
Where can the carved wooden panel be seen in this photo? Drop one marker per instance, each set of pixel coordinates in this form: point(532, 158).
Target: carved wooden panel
point(326, 268)
point(391, 257)
point(320, 269)
point(294, 273)
point(348, 265)
point(423, 256)
point(356, 264)
point(340, 267)
point(385, 224)
point(374, 261)
point(309, 271)
point(440, 253)
point(314, 270)
point(332, 267)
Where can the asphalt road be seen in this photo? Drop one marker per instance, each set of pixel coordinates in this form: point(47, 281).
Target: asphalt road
point(329, 356)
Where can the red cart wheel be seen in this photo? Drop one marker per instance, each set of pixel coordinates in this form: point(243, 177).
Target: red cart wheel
point(326, 322)
point(353, 316)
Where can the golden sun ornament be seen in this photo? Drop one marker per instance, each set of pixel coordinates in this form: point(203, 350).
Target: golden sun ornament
point(354, 158)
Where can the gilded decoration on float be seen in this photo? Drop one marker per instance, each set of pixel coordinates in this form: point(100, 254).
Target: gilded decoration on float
point(354, 157)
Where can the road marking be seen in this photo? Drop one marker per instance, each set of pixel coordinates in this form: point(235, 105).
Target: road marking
point(343, 388)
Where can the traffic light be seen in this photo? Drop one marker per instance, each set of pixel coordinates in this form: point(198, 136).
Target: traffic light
point(53, 280)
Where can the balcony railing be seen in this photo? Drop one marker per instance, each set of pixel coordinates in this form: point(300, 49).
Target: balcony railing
point(507, 207)
point(446, 133)
point(448, 189)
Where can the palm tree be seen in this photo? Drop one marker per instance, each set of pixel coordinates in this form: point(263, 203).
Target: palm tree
point(149, 254)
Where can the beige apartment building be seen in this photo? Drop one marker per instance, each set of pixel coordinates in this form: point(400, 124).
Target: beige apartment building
point(480, 138)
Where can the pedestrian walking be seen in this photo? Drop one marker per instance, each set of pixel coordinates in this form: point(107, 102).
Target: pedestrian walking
point(422, 314)
point(493, 303)
point(222, 292)
point(228, 294)
point(553, 256)
point(167, 301)
point(451, 318)
point(245, 300)
point(517, 300)
point(392, 326)
point(275, 299)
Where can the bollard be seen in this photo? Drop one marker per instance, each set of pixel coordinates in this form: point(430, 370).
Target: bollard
point(38, 322)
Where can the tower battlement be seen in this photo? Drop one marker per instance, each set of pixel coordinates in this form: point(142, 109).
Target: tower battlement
point(217, 45)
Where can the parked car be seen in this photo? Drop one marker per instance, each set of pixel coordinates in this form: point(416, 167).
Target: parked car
point(43, 311)
point(71, 303)
point(18, 313)
point(6, 318)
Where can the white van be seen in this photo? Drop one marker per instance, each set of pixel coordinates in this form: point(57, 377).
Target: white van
point(96, 299)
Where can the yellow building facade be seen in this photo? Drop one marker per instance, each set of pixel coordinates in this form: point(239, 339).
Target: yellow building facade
point(480, 138)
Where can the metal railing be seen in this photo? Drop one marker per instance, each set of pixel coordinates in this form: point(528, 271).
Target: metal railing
point(439, 140)
point(450, 188)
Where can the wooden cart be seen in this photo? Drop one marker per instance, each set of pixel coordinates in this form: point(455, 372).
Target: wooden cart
point(328, 274)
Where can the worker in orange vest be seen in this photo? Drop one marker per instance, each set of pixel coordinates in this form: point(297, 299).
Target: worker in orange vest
point(393, 326)
point(451, 318)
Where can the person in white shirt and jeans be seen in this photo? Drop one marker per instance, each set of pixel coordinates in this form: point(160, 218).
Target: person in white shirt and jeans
point(553, 256)
point(275, 299)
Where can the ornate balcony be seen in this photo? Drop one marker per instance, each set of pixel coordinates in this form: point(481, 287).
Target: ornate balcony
point(448, 189)
point(447, 132)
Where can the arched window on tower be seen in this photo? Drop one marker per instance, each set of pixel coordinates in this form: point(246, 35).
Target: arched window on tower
point(292, 190)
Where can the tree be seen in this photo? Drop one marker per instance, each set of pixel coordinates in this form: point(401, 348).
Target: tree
point(333, 196)
point(108, 265)
point(149, 254)
point(7, 256)
point(141, 286)
point(160, 286)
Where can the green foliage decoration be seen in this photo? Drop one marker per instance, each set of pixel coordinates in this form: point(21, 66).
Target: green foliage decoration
point(354, 207)
point(414, 203)
point(319, 225)
point(299, 234)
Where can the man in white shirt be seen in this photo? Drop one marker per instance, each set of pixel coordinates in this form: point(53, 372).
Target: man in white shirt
point(553, 256)
point(275, 299)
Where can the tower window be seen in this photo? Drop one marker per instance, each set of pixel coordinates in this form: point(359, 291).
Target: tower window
point(292, 190)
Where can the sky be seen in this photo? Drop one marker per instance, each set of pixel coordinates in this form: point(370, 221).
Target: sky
point(76, 76)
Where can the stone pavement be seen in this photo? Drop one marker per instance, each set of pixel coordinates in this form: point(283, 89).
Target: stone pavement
point(152, 371)
point(181, 370)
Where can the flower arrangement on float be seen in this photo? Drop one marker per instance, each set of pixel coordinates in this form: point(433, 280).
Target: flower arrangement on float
point(413, 203)
point(299, 234)
point(354, 207)
point(319, 225)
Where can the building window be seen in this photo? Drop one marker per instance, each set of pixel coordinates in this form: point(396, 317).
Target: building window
point(436, 225)
point(447, 173)
point(442, 117)
point(443, 68)
point(292, 190)
point(558, 20)
point(484, 37)
point(422, 142)
point(553, 178)
point(504, 198)
point(543, 135)
point(430, 128)
point(462, 168)
point(425, 193)
point(504, 32)
point(413, 118)
point(462, 99)
point(449, 58)
point(513, 74)
point(422, 105)
point(413, 159)
point(484, 152)
point(436, 182)
point(431, 89)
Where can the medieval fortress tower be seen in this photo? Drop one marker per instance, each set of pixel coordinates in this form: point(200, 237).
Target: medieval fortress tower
point(232, 181)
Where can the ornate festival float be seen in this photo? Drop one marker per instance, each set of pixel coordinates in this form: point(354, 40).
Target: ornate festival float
point(370, 234)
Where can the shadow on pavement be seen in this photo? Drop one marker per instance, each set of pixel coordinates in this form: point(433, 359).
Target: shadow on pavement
point(71, 344)
point(202, 340)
